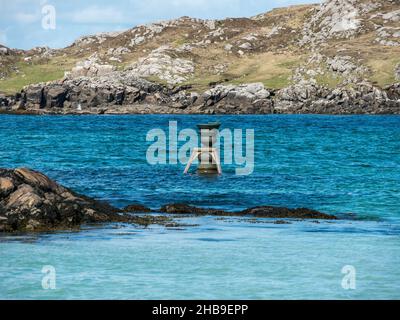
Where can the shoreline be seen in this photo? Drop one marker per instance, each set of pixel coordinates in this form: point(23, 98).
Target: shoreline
point(105, 95)
point(100, 113)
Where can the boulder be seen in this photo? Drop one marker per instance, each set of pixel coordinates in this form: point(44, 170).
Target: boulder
point(6, 186)
point(136, 208)
point(178, 208)
point(240, 96)
point(184, 99)
point(4, 101)
point(36, 179)
point(55, 97)
point(30, 201)
point(393, 92)
point(34, 95)
point(4, 51)
point(132, 95)
point(341, 64)
point(24, 198)
point(282, 213)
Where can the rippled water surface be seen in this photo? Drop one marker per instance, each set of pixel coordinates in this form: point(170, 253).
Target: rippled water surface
point(349, 166)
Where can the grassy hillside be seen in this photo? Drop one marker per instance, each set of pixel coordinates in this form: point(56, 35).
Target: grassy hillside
point(270, 48)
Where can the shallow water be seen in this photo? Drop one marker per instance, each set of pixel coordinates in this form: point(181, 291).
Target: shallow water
point(334, 164)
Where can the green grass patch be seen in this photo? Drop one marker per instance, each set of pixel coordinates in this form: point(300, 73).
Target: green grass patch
point(156, 79)
point(272, 70)
point(277, 82)
point(180, 42)
point(329, 80)
point(34, 73)
point(383, 70)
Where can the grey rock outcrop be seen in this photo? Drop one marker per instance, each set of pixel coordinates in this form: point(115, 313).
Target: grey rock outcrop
point(96, 39)
point(124, 92)
point(90, 67)
point(360, 98)
point(4, 51)
point(31, 202)
point(34, 96)
point(333, 19)
point(55, 97)
point(245, 98)
point(345, 66)
point(4, 101)
point(294, 97)
point(162, 64)
point(86, 93)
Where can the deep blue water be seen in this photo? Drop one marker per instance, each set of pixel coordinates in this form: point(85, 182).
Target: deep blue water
point(344, 165)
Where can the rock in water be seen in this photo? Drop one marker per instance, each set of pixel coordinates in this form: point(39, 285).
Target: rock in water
point(136, 208)
point(30, 201)
point(181, 208)
point(282, 213)
point(258, 212)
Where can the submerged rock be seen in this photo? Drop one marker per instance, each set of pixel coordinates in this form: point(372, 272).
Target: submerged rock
point(181, 208)
point(281, 213)
point(258, 212)
point(136, 208)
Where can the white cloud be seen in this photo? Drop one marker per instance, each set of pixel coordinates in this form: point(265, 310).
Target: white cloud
point(26, 17)
point(96, 14)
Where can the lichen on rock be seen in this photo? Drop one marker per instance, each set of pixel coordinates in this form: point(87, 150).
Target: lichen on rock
point(161, 63)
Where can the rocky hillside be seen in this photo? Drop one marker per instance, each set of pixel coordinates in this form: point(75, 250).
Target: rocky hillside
point(337, 57)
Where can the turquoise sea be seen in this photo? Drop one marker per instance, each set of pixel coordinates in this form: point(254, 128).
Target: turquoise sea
point(344, 165)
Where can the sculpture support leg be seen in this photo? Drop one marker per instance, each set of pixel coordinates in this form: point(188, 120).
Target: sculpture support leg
point(215, 157)
point(193, 157)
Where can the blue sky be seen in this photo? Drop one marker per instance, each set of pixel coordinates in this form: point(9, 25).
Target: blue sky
point(21, 23)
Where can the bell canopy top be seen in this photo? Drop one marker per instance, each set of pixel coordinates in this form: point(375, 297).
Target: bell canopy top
point(209, 126)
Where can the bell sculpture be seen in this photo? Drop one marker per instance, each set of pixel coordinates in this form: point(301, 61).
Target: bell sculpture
point(207, 154)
